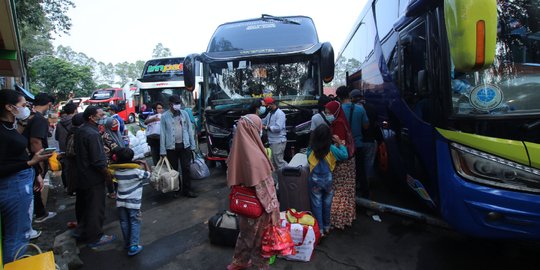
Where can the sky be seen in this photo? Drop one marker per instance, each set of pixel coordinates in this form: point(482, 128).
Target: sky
point(113, 31)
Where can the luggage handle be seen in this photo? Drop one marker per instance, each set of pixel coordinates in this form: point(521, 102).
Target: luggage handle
point(292, 171)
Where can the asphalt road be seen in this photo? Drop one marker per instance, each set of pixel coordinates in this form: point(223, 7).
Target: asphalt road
point(175, 236)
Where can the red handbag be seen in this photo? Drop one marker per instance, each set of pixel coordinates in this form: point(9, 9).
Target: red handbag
point(243, 201)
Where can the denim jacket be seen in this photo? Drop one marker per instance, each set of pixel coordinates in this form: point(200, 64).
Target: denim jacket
point(167, 141)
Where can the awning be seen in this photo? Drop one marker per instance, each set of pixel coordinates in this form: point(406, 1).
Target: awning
point(26, 93)
point(11, 63)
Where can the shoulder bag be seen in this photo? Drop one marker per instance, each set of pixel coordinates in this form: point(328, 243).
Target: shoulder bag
point(243, 201)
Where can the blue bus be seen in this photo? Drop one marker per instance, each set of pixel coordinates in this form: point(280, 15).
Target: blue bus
point(247, 60)
point(456, 86)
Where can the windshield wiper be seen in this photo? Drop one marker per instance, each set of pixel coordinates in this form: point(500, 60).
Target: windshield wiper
point(266, 16)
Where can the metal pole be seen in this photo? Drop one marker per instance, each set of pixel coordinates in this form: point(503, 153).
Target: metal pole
point(386, 208)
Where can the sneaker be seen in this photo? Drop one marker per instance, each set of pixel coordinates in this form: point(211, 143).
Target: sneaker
point(134, 250)
point(34, 234)
point(105, 239)
point(42, 219)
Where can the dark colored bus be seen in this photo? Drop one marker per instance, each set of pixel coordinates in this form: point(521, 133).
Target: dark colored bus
point(246, 60)
point(456, 84)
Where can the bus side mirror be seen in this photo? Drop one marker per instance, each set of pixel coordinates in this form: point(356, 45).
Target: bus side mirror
point(327, 62)
point(189, 69)
point(472, 32)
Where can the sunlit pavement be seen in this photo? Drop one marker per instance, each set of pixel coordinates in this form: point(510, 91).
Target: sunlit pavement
point(175, 236)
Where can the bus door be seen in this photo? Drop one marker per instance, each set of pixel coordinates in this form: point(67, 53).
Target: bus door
point(414, 133)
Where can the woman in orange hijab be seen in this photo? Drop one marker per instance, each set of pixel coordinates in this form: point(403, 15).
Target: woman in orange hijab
point(249, 166)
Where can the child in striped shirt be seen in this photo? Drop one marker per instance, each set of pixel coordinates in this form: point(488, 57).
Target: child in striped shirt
point(129, 177)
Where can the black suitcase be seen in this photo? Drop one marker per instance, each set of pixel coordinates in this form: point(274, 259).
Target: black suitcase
point(223, 229)
point(293, 190)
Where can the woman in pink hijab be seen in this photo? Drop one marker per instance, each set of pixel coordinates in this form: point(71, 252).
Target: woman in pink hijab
point(249, 166)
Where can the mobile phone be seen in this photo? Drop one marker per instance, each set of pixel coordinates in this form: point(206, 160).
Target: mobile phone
point(48, 151)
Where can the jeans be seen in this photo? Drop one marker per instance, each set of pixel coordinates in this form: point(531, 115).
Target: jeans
point(16, 208)
point(130, 223)
point(321, 194)
point(370, 150)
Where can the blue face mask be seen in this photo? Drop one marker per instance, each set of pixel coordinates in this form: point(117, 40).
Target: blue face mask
point(330, 118)
point(262, 110)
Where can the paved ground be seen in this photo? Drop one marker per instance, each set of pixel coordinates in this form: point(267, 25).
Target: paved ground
point(175, 236)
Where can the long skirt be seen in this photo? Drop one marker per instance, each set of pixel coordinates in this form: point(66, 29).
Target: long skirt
point(249, 243)
point(343, 211)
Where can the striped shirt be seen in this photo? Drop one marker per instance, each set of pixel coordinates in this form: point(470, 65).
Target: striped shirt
point(130, 187)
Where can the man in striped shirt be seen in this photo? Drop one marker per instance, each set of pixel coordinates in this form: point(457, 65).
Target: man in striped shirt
point(129, 177)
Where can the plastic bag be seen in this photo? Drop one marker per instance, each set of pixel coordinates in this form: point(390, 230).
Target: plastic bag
point(277, 241)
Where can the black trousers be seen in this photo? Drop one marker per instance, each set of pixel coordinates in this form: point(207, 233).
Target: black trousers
point(181, 156)
point(153, 142)
point(362, 183)
point(90, 212)
point(39, 207)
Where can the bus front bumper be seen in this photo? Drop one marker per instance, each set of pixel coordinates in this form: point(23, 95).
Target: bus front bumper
point(485, 211)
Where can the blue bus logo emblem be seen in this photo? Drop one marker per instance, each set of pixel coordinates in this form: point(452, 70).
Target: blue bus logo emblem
point(486, 97)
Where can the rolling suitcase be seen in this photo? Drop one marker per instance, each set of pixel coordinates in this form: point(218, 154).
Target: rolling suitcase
point(223, 229)
point(293, 189)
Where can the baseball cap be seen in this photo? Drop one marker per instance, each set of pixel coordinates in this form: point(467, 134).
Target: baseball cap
point(268, 100)
point(175, 99)
point(356, 93)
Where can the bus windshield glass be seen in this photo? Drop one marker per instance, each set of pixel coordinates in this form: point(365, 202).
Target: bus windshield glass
point(151, 96)
point(102, 94)
point(512, 85)
point(239, 82)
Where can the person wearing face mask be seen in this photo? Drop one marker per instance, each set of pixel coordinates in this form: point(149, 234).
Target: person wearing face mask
point(177, 142)
point(93, 177)
point(16, 175)
point(112, 140)
point(274, 124)
point(37, 133)
point(343, 211)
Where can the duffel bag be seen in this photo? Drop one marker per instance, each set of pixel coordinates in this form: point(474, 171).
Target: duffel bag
point(164, 178)
point(223, 229)
point(198, 168)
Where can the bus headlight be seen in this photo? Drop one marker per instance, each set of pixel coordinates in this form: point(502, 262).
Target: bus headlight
point(487, 169)
point(218, 132)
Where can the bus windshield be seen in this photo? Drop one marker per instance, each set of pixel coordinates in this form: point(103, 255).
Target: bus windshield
point(102, 94)
point(151, 96)
point(240, 81)
point(512, 85)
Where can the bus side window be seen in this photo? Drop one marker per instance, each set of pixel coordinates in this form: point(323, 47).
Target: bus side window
point(414, 56)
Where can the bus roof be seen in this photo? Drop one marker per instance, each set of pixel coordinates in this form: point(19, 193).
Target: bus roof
point(263, 36)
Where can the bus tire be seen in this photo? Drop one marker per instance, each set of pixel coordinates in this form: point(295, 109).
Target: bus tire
point(131, 118)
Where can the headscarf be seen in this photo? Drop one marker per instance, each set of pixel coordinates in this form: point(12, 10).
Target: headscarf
point(340, 125)
point(115, 135)
point(248, 164)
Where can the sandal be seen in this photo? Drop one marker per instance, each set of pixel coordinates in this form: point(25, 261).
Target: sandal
point(105, 239)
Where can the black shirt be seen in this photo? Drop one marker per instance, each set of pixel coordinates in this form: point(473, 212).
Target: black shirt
point(13, 154)
point(91, 158)
point(38, 127)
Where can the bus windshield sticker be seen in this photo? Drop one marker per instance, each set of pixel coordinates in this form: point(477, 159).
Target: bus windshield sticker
point(486, 97)
point(260, 26)
point(242, 65)
point(165, 68)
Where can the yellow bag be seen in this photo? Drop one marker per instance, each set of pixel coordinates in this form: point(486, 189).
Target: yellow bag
point(41, 261)
point(304, 217)
point(54, 164)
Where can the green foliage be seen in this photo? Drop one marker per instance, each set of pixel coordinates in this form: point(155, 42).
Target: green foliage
point(59, 77)
point(161, 51)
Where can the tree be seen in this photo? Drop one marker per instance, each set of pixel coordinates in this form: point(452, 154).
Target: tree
point(161, 51)
point(37, 20)
point(59, 77)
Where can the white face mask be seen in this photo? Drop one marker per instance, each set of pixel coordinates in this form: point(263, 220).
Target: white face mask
point(177, 107)
point(22, 113)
